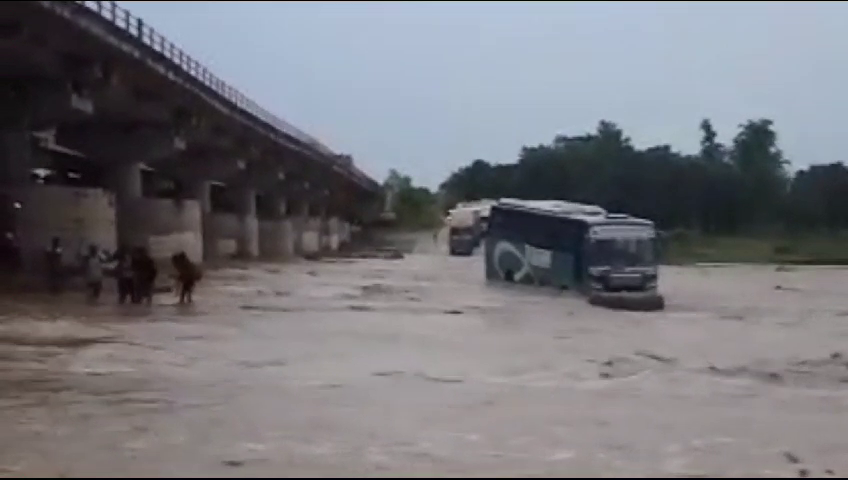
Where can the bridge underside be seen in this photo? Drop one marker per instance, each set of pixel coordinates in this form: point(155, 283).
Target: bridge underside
point(104, 141)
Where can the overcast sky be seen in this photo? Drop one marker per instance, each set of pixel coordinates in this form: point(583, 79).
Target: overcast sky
point(425, 87)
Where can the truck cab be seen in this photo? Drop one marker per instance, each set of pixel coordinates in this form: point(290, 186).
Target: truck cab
point(463, 231)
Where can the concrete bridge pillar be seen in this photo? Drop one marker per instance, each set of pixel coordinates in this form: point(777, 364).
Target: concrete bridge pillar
point(307, 231)
point(127, 187)
point(247, 243)
point(344, 232)
point(15, 156)
point(164, 226)
point(276, 236)
point(290, 233)
point(202, 192)
point(35, 213)
point(322, 220)
point(287, 233)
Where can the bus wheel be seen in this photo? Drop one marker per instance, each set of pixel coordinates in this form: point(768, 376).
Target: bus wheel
point(509, 276)
point(635, 303)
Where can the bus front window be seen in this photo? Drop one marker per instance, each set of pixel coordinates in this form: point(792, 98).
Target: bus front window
point(622, 252)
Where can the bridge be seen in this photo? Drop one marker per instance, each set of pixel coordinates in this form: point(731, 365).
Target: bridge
point(112, 135)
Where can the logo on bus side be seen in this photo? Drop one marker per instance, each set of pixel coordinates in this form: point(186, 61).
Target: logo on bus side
point(509, 259)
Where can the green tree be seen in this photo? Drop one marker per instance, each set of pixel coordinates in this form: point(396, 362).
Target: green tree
point(760, 161)
point(413, 206)
point(722, 189)
point(711, 150)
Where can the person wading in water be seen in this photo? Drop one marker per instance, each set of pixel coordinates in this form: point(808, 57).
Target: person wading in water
point(53, 261)
point(92, 263)
point(144, 276)
point(188, 274)
point(124, 275)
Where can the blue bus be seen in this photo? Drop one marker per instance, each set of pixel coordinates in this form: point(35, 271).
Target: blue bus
point(571, 246)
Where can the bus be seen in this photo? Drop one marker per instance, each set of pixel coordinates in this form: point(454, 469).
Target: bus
point(571, 246)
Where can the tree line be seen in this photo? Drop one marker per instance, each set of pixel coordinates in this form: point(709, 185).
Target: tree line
point(415, 207)
point(743, 187)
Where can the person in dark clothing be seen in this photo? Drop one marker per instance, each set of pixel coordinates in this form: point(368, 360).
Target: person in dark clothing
point(53, 261)
point(124, 275)
point(144, 276)
point(188, 274)
point(10, 253)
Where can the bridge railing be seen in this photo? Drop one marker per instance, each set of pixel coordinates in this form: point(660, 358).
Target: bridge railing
point(136, 27)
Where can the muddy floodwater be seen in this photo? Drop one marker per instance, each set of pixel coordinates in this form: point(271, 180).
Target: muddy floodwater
point(417, 367)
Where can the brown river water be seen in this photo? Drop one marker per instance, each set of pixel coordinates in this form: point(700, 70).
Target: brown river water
point(417, 367)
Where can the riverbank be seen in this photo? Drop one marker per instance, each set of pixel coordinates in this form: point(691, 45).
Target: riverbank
point(681, 248)
point(684, 248)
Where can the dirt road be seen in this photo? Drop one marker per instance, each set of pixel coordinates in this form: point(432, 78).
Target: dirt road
point(417, 367)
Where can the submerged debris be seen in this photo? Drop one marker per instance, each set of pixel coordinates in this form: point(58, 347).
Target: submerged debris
point(654, 356)
point(380, 253)
point(621, 367)
point(791, 458)
point(268, 308)
point(360, 308)
point(432, 378)
point(380, 289)
point(388, 373)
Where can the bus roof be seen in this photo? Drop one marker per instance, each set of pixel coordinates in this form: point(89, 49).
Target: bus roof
point(589, 214)
point(554, 207)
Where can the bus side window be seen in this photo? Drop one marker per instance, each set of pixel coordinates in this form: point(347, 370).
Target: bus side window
point(569, 236)
point(540, 232)
point(511, 226)
point(496, 223)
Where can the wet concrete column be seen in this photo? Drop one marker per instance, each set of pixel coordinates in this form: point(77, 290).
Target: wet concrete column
point(272, 229)
point(15, 157)
point(16, 141)
point(281, 205)
point(127, 187)
point(322, 220)
point(344, 232)
point(202, 191)
point(247, 244)
point(334, 231)
point(15, 164)
point(288, 228)
point(307, 241)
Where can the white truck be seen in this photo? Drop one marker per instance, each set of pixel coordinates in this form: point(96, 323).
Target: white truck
point(463, 230)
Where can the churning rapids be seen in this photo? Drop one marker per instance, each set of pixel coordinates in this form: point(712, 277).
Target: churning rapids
point(416, 367)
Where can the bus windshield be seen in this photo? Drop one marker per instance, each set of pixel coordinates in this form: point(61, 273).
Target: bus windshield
point(606, 250)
